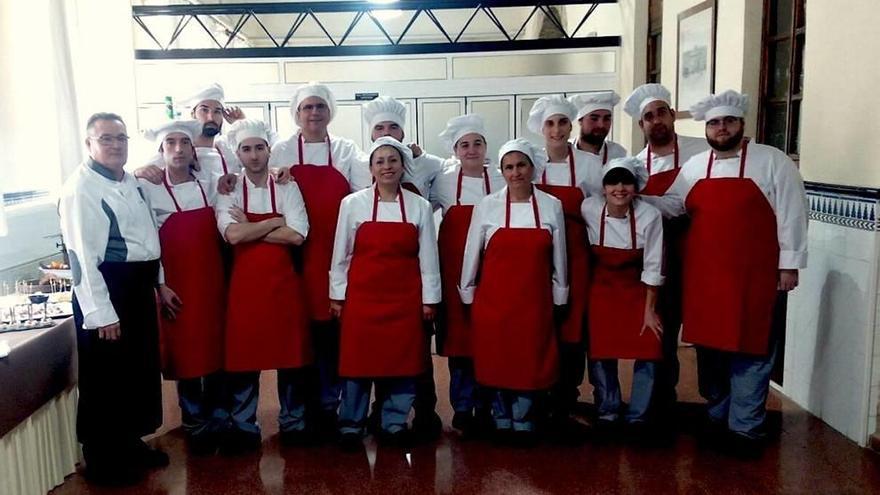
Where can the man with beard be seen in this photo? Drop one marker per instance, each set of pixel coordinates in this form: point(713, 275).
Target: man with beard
point(216, 161)
point(114, 258)
point(663, 156)
point(746, 242)
point(595, 119)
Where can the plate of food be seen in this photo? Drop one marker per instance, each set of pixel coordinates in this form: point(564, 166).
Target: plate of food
point(57, 269)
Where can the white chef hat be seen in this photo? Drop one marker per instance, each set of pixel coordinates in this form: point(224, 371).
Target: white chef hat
point(631, 164)
point(588, 103)
point(643, 95)
point(384, 109)
point(308, 90)
point(729, 103)
point(525, 147)
point(212, 91)
point(190, 128)
point(460, 126)
point(390, 141)
point(245, 129)
point(546, 107)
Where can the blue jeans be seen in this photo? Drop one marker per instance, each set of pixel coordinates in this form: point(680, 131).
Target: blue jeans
point(244, 389)
point(398, 395)
point(462, 384)
point(736, 386)
point(606, 389)
point(201, 404)
point(513, 409)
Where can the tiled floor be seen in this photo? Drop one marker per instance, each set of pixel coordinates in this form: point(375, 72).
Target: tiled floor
point(809, 457)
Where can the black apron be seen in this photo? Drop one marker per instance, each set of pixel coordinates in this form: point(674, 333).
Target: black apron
point(120, 387)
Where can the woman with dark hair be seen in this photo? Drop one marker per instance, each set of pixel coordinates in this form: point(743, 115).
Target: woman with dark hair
point(626, 243)
point(516, 243)
point(384, 282)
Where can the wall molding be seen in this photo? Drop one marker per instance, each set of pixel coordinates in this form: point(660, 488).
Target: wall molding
point(847, 206)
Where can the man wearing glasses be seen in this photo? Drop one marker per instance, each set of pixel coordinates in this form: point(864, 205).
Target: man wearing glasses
point(114, 259)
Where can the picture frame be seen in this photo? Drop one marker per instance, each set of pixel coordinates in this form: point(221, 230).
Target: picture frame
point(695, 56)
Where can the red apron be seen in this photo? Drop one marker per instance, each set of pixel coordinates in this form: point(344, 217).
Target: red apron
point(617, 301)
point(453, 322)
point(731, 264)
point(382, 333)
point(192, 343)
point(577, 249)
point(322, 188)
point(267, 323)
point(514, 344)
point(674, 232)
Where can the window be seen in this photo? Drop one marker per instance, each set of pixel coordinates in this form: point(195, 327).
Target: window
point(655, 39)
point(782, 75)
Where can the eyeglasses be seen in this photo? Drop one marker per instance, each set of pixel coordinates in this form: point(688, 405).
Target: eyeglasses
point(107, 140)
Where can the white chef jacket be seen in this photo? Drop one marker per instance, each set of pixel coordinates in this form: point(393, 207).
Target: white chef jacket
point(587, 171)
point(103, 219)
point(649, 234)
point(288, 202)
point(615, 150)
point(356, 209)
point(489, 216)
point(687, 147)
point(426, 168)
point(473, 189)
point(211, 165)
point(775, 175)
point(187, 194)
point(348, 158)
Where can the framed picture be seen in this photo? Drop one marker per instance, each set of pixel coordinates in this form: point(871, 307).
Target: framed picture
point(696, 56)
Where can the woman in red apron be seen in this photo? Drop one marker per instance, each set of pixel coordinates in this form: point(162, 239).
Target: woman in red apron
point(566, 178)
point(191, 335)
point(267, 319)
point(456, 190)
point(516, 243)
point(626, 243)
point(384, 282)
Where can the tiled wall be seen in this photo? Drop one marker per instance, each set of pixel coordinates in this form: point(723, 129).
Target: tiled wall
point(831, 350)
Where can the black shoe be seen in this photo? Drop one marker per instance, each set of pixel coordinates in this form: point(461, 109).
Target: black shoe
point(350, 442)
point(149, 457)
point(502, 437)
point(113, 474)
point(743, 447)
point(237, 442)
point(525, 439)
point(466, 424)
point(203, 444)
point(712, 434)
point(374, 421)
point(326, 427)
point(605, 431)
point(427, 427)
point(402, 439)
point(298, 438)
point(567, 431)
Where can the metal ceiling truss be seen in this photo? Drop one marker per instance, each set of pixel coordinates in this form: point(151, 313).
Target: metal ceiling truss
point(389, 46)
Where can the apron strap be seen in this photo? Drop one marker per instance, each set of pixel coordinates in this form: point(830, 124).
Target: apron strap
point(632, 225)
point(742, 160)
point(270, 182)
point(399, 200)
point(534, 210)
point(329, 150)
point(170, 192)
point(461, 178)
point(202, 190)
point(222, 160)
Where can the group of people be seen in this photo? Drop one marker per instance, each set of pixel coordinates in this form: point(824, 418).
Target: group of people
point(314, 258)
